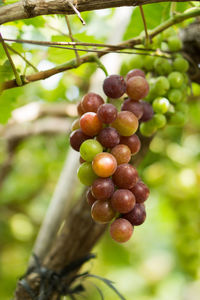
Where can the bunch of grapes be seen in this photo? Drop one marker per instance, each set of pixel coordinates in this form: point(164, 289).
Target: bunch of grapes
point(168, 82)
point(106, 141)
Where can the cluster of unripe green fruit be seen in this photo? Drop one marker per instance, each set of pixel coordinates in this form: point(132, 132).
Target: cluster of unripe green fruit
point(106, 141)
point(168, 82)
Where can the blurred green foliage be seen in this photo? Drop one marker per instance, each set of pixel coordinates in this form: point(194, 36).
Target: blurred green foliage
point(162, 260)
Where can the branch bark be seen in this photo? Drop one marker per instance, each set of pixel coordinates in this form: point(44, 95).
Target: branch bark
point(31, 8)
point(89, 58)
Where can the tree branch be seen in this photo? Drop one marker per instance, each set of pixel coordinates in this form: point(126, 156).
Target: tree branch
point(92, 57)
point(31, 8)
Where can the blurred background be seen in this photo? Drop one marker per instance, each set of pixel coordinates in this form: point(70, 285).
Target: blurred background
point(162, 260)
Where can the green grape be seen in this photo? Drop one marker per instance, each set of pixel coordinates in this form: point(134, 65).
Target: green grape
point(86, 174)
point(159, 120)
point(161, 86)
point(136, 62)
point(175, 95)
point(177, 119)
point(161, 105)
point(157, 40)
point(162, 66)
point(149, 62)
point(180, 64)
point(174, 43)
point(148, 128)
point(169, 32)
point(182, 107)
point(124, 69)
point(89, 149)
point(176, 79)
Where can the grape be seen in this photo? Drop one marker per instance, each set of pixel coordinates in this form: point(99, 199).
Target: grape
point(161, 105)
point(104, 164)
point(133, 142)
point(175, 95)
point(77, 137)
point(80, 109)
point(135, 107)
point(90, 198)
point(177, 119)
point(121, 230)
point(103, 188)
point(176, 79)
point(149, 62)
point(126, 123)
point(148, 128)
point(174, 43)
point(140, 191)
point(108, 137)
point(162, 66)
point(91, 102)
point(169, 32)
point(180, 64)
point(147, 111)
point(137, 216)
point(161, 85)
point(136, 61)
point(90, 124)
point(86, 174)
point(114, 86)
point(102, 212)
point(75, 125)
point(125, 176)
point(159, 120)
point(107, 113)
point(137, 88)
point(182, 107)
point(123, 201)
point(135, 72)
point(122, 153)
point(89, 149)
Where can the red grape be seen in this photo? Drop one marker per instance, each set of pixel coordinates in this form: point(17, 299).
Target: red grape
point(135, 72)
point(123, 201)
point(137, 216)
point(126, 123)
point(91, 102)
point(135, 107)
point(125, 176)
point(90, 124)
point(121, 230)
point(137, 88)
point(75, 125)
point(90, 198)
point(104, 164)
point(147, 111)
point(102, 211)
point(80, 109)
point(103, 188)
point(114, 86)
point(122, 153)
point(77, 137)
point(133, 142)
point(140, 191)
point(81, 160)
point(108, 137)
point(107, 113)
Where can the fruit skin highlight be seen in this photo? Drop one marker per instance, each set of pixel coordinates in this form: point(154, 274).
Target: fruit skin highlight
point(104, 164)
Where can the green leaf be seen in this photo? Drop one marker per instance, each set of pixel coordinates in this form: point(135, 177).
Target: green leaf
point(154, 15)
point(6, 107)
point(57, 55)
point(6, 71)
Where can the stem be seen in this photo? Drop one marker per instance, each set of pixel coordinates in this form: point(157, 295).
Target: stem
point(101, 66)
point(24, 58)
point(173, 9)
point(145, 25)
point(17, 77)
point(76, 12)
point(72, 39)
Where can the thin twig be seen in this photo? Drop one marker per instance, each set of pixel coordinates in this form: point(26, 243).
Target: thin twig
point(76, 12)
point(17, 77)
point(72, 39)
point(26, 60)
point(173, 9)
point(145, 25)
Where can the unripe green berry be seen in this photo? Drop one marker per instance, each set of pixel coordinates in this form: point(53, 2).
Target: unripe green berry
point(161, 105)
point(174, 43)
point(175, 95)
point(176, 79)
point(89, 149)
point(180, 64)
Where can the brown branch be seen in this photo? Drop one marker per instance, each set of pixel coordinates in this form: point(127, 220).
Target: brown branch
point(92, 57)
point(31, 8)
